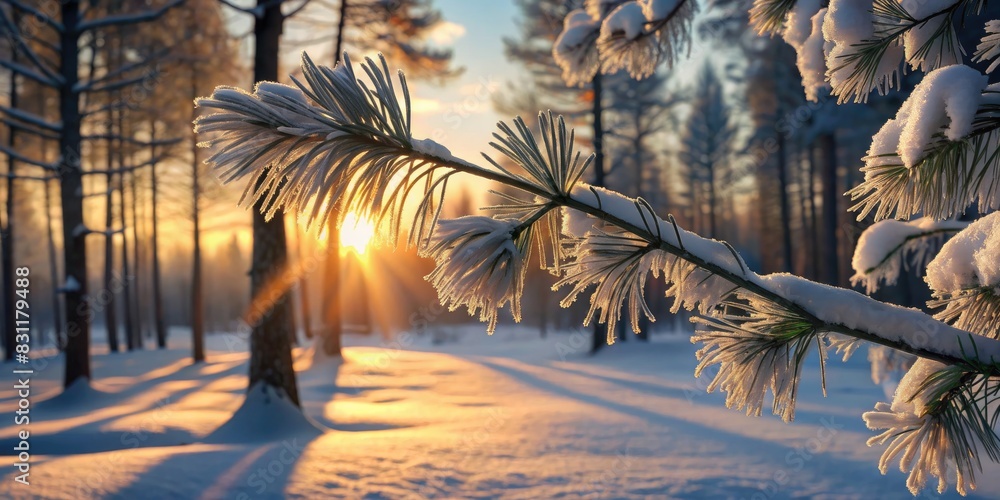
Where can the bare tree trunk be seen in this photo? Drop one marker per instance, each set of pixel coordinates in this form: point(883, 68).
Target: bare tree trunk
point(270, 349)
point(129, 282)
point(137, 254)
point(806, 253)
point(159, 325)
point(813, 220)
point(7, 232)
point(110, 310)
point(57, 324)
point(130, 268)
point(786, 224)
point(304, 304)
point(332, 310)
point(332, 313)
point(712, 202)
point(71, 194)
point(827, 144)
point(197, 298)
point(600, 334)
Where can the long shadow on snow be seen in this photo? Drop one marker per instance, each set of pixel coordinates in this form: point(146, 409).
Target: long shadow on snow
point(864, 474)
point(89, 436)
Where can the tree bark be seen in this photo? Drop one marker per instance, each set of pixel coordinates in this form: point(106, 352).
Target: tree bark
point(131, 289)
point(786, 224)
point(71, 195)
point(110, 310)
point(159, 325)
point(827, 144)
point(600, 334)
point(135, 282)
point(270, 348)
point(7, 232)
point(813, 220)
point(197, 297)
point(304, 303)
point(332, 310)
point(57, 324)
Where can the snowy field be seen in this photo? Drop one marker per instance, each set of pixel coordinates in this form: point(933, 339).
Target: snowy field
point(508, 416)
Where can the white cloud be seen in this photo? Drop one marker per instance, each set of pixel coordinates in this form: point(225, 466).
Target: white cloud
point(446, 32)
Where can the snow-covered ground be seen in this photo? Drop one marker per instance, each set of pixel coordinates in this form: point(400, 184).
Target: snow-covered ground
point(507, 416)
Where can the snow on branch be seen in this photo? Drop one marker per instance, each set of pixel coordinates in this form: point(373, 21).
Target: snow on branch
point(965, 278)
point(935, 156)
point(36, 14)
point(13, 153)
point(29, 73)
point(634, 36)
point(31, 119)
point(127, 19)
point(24, 48)
point(890, 246)
point(575, 50)
point(637, 36)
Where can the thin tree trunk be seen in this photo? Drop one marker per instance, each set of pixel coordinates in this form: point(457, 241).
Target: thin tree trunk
point(332, 309)
point(827, 144)
point(130, 267)
point(786, 224)
point(712, 203)
point(57, 324)
point(7, 232)
point(270, 349)
point(197, 298)
point(138, 254)
point(304, 304)
point(129, 282)
point(71, 194)
point(159, 325)
point(110, 312)
point(600, 334)
point(813, 220)
point(805, 255)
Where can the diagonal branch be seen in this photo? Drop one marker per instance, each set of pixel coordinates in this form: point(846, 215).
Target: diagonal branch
point(127, 19)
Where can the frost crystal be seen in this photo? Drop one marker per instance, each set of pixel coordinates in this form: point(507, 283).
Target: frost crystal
point(989, 48)
point(925, 442)
point(479, 266)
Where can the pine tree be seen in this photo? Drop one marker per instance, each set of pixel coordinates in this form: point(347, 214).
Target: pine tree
point(707, 146)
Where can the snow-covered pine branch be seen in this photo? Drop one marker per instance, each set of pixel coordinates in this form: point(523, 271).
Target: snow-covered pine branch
point(337, 136)
point(965, 278)
point(891, 246)
point(936, 156)
point(611, 36)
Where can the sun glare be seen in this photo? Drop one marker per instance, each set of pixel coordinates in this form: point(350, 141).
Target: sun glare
point(356, 233)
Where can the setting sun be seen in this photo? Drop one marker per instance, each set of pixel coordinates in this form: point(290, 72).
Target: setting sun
point(356, 233)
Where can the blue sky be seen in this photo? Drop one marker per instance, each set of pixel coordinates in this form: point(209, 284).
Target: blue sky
point(460, 114)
